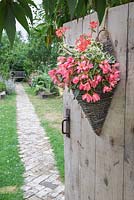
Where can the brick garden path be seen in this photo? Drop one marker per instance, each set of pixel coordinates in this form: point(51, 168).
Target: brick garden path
point(42, 181)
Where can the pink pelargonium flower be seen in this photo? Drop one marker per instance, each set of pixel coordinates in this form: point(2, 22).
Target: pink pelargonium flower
point(95, 97)
point(93, 24)
point(107, 89)
point(60, 31)
point(76, 80)
point(87, 97)
point(83, 42)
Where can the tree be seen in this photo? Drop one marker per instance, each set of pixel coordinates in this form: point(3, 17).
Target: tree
point(57, 12)
point(10, 11)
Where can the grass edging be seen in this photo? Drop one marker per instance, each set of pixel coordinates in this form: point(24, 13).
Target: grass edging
point(11, 167)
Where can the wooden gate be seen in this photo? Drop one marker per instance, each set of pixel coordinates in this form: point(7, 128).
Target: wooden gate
point(102, 167)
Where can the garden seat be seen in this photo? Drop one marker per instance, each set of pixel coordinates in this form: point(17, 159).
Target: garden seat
point(15, 75)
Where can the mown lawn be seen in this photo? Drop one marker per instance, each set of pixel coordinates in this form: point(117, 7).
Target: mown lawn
point(49, 111)
point(11, 168)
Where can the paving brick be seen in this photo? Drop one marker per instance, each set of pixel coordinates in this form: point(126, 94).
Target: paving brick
point(42, 180)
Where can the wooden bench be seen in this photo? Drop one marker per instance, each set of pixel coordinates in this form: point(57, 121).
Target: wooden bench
point(15, 75)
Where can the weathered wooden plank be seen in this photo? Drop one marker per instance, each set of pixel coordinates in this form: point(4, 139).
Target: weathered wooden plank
point(67, 149)
point(87, 160)
point(110, 146)
point(129, 116)
point(87, 144)
point(75, 149)
point(86, 24)
point(74, 32)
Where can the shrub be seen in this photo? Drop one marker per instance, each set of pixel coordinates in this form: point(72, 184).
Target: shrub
point(41, 82)
point(2, 87)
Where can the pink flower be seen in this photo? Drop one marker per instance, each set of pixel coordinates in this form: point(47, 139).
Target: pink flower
point(94, 83)
point(61, 59)
point(99, 78)
point(83, 76)
point(95, 97)
point(105, 66)
point(93, 24)
point(70, 59)
point(81, 86)
point(107, 89)
point(87, 97)
point(85, 86)
point(84, 66)
point(60, 32)
point(82, 42)
point(52, 73)
point(75, 80)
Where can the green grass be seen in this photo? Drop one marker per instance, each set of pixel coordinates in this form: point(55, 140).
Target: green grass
point(11, 168)
point(49, 111)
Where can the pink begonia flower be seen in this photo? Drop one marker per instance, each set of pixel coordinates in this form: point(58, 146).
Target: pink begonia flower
point(61, 59)
point(87, 97)
point(70, 59)
point(75, 80)
point(106, 89)
point(85, 86)
point(99, 78)
point(60, 31)
point(84, 66)
point(83, 76)
point(95, 97)
point(105, 66)
point(93, 24)
point(52, 73)
point(81, 86)
point(94, 83)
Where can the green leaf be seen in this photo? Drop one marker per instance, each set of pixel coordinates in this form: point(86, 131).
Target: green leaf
point(76, 93)
point(72, 5)
point(20, 15)
point(10, 24)
point(27, 9)
point(31, 3)
point(2, 17)
point(100, 7)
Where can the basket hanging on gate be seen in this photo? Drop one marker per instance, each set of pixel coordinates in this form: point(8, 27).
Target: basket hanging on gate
point(90, 70)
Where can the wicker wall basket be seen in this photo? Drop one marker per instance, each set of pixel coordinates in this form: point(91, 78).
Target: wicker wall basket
point(97, 112)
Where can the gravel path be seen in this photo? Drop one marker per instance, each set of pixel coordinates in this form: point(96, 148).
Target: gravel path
point(42, 180)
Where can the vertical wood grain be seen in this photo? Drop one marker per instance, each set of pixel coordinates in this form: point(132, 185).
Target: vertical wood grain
point(68, 100)
point(110, 145)
point(129, 116)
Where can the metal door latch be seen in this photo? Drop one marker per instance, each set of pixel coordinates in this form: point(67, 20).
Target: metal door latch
point(66, 124)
